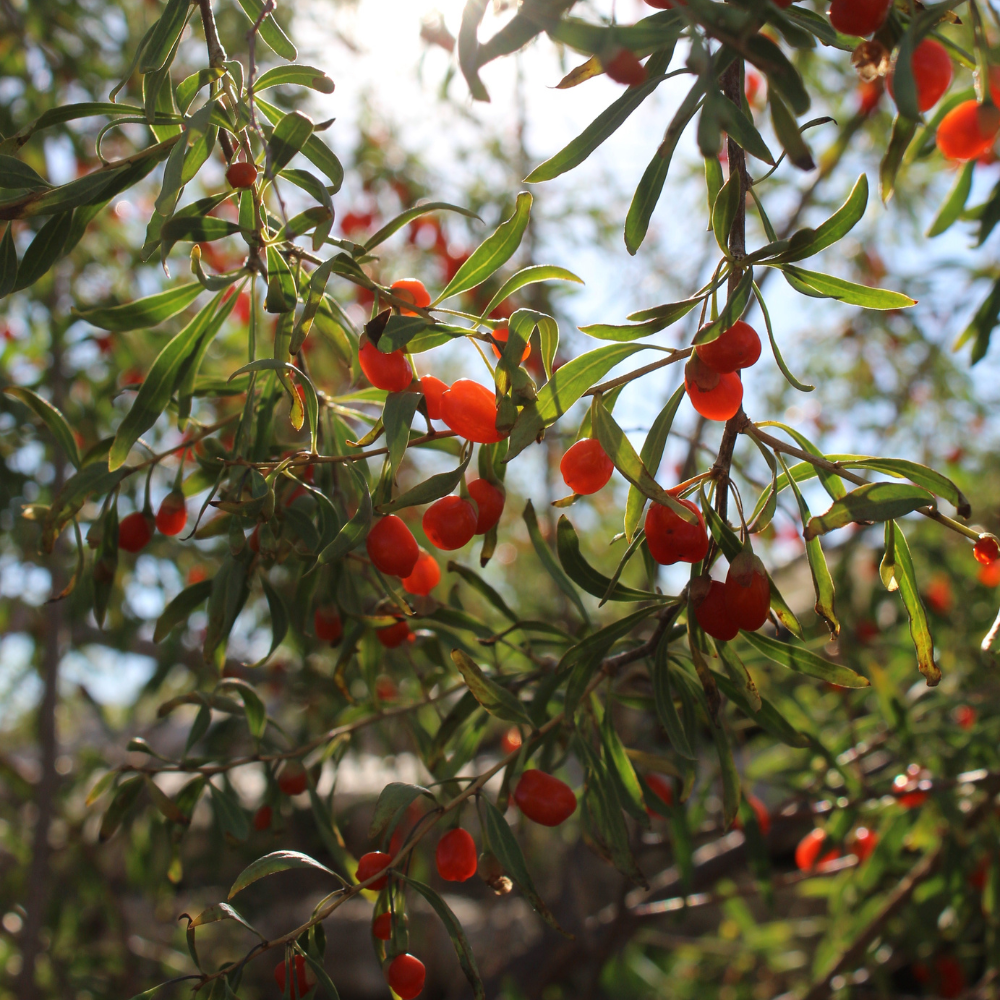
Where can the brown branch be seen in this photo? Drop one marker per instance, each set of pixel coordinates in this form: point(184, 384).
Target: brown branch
point(216, 52)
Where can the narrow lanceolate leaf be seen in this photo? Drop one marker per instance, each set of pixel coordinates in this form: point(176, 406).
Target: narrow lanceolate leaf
point(165, 35)
point(281, 291)
point(789, 135)
point(52, 417)
point(428, 491)
point(474, 580)
point(253, 707)
point(647, 194)
point(603, 126)
point(903, 130)
point(158, 386)
point(954, 203)
point(295, 76)
point(565, 387)
point(269, 30)
point(279, 629)
point(549, 562)
point(44, 250)
point(355, 530)
point(825, 286)
point(906, 583)
point(496, 700)
point(741, 129)
point(125, 796)
point(807, 242)
point(529, 276)
point(874, 502)
point(8, 262)
point(458, 939)
point(493, 252)
point(622, 772)
point(508, 852)
point(270, 864)
point(393, 798)
point(619, 449)
point(804, 661)
point(666, 710)
point(417, 212)
point(397, 415)
point(288, 138)
point(14, 173)
point(731, 786)
point(178, 610)
point(150, 311)
point(584, 575)
point(983, 323)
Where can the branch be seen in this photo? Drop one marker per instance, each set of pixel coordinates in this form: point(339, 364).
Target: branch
point(216, 53)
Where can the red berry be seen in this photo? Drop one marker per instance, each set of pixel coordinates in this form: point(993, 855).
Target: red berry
point(391, 371)
point(869, 92)
point(470, 410)
point(748, 592)
point(586, 467)
point(327, 624)
point(989, 576)
point(624, 67)
point(393, 636)
point(986, 550)
point(713, 615)
point(715, 396)
point(411, 290)
point(382, 926)
point(932, 73)
point(965, 716)
point(968, 131)
point(293, 779)
point(490, 501)
point(502, 333)
point(760, 811)
point(544, 799)
point(939, 595)
point(391, 547)
point(241, 174)
point(135, 531)
point(302, 982)
point(456, 856)
point(172, 515)
point(371, 864)
point(858, 17)
point(672, 539)
point(405, 976)
point(662, 789)
point(735, 348)
point(511, 740)
point(449, 523)
point(951, 978)
point(863, 843)
point(386, 690)
point(807, 854)
point(262, 818)
point(433, 389)
point(425, 577)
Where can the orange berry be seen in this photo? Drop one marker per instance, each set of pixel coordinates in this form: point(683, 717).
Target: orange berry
point(241, 174)
point(433, 389)
point(425, 577)
point(262, 818)
point(511, 740)
point(624, 67)
point(748, 592)
point(986, 550)
point(735, 348)
point(715, 396)
point(968, 131)
point(502, 333)
point(544, 799)
point(932, 72)
point(470, 410)
point(391, 547)
point(391, 637)
point(586, 467)
point(662, 789)
point(382, 926)
point(411, 290)
point(172, 515)
point(302, 982)
point(449, 523)
point(490, 501)
point(391, 371)
point(863, 843)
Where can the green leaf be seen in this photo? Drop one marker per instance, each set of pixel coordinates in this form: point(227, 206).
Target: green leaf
point(782, 76)
point(493, 252)
point(723, 213)
point(429, 490)
point(458, 939)
point(825, 286)
point(647, 194)
point(125, 795)
point(394, 798)
point(902, 468)
point(903, 130)
point(874, 502)
point(8, 262)
point(150, 311)
point(731, 787)
point(619, 449)
point(279, 629)
point(807, 242)
point(314, 150)
point(583, 574)
point(507, 851)
point(474, 580)
point(295, 76)
point(106, 563)
point(182, 228)
point(253, 706)
point(404, 218)
point(92, 478)
point(779, 360)
point(954, 203)
point(621, 771)
point(230, 589)
point(14, 173)
point(355, 530)
point(51, 416)
point(767, 716)
point(528, 276)
point(604, 125)
point(399, 331)
point(397, 415)
point(832, 483)
point(906, 583)
point(44, 250)
point(740, 127)
point(565, 387)
point(180, 607)
point(155, 392)
point(270, 864)
point(165, 34)
point(282, 295)
point(288, 138)
point(982, 325)
point(269, 30)
point(786, 128)
point(804, 661)
point(735, 307)
point(666, 710)
point(321, 974)
point(549, 562)
point(498, 701)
